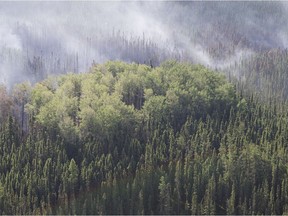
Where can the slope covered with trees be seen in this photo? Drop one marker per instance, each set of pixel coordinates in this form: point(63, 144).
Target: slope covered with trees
point(38, 42)
point(265, 74)
point(131, 139)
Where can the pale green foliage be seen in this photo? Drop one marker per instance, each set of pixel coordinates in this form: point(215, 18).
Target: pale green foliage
point(73, 172)
point(1, 190)
point(98, 103)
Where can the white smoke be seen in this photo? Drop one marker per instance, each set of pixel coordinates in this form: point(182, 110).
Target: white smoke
point(68, 36)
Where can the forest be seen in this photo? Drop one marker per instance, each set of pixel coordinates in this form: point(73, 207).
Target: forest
point(131, 139)
point(163, 108)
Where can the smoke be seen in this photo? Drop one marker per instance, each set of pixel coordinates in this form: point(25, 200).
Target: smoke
point(42, 38)
point(58, 37)
point(8, 39)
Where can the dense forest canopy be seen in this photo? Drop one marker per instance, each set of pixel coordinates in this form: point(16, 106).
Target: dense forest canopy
point(175, 139)
point(143, 108)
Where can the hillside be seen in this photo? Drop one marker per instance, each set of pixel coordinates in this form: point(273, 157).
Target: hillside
point(37, 41)
point(138, 107)
point(175, 139)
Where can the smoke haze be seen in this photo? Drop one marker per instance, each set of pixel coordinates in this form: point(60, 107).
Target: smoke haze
point(42, 38)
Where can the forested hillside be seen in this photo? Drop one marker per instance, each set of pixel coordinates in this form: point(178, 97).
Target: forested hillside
point(265, 74)
point(43, 38)
point(131, 139)
point(143, 108)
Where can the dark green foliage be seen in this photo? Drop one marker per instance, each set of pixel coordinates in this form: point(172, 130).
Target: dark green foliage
point(129, 139)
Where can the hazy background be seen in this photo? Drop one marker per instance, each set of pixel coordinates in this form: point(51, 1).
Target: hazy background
point(42, 38)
